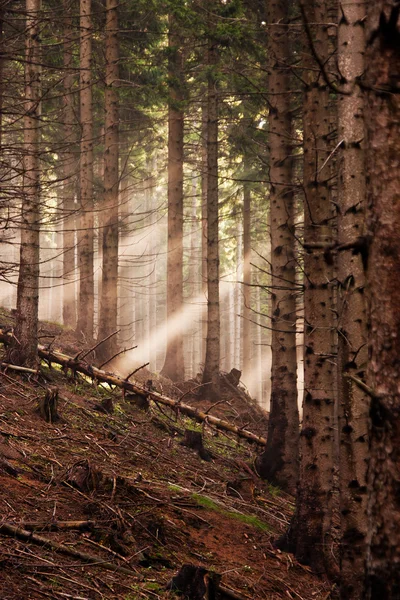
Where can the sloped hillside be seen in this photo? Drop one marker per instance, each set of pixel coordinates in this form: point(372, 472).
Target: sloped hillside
point(111, 506)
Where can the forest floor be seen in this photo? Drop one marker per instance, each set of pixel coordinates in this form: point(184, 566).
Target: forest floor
point(122, 488)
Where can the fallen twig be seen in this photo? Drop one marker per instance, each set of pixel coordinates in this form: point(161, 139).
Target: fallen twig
point(196, 387)
point(57, 525)
point(135, 371)
point(18, 368)
point(115, 355)
point(82, 356)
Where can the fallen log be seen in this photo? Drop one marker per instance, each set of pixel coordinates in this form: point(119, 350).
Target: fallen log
point(27, 536)
point(76, 366)
point(57, 525)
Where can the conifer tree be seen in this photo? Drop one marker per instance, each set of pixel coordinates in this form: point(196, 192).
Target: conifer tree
point(109, 287)
point(69, 170)
point(353, 402)
point(279, 461)
point(24, 350)
point(86, 221)
point(174, 362)
point(382, 119)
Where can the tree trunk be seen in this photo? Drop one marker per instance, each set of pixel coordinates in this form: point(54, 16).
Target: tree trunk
point(313, 517)
point(311, 527)
point(174, 362)
point(212, 358)
point(204, 179)
point(247, 314)
point(26, 330)
point(192, 365)
point(238, 285)
point(125, 293)
point(109, 296)
point(279, 462)
point(353, 403)
point(69, 170)
point(86, 222)
point(2, 53)
point(383, 151)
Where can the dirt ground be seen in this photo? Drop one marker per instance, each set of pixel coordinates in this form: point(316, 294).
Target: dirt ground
point(112, 505)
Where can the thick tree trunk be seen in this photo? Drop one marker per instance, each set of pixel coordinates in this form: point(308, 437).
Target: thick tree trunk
point(211, 366)
point(174, 362)
point(26, 330)
point(311, 527)
point(109, 296)
point(353, 402)
point(69, 171)
point(86, 222)
point(383, 151)
point(279, 462)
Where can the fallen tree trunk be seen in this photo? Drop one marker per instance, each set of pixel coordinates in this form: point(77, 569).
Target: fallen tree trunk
point(77, 366)
point(27, 536)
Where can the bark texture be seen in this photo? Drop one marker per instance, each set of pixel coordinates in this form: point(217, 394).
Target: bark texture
point(86, 221)
point(353, 403)
point(311, 528)
point(383, 156)
point(109, 295)
point(204, 179)
point(174, 363)
point(211, 366)
point(247, 314)
point(26, 330)
point(279, 462)
point(69, 170)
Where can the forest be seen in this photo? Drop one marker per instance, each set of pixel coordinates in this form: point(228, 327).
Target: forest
point(198, 208)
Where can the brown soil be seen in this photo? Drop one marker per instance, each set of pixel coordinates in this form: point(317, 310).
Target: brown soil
point(153, 504)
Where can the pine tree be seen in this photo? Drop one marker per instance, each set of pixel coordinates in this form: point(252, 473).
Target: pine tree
point(212, 357)
point(86, 222)
point(279, 462)
point(174, 362)
point(26, 330)
point(382, 120)
point(310, 532)
point(109, 295)
point(69, 170)
point(353, 402)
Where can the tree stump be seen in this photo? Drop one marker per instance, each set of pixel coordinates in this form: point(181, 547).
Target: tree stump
point(83, 476)
point(195, 583)
point(49, 404)
point(234, 377)
point(194, 439)
point(141, 402)
point(106, 406)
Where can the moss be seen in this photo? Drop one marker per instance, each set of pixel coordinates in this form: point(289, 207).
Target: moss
point(206, 502)
point(251, 520)
point(153, 585)
point(274, 490)
point(174, 488)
